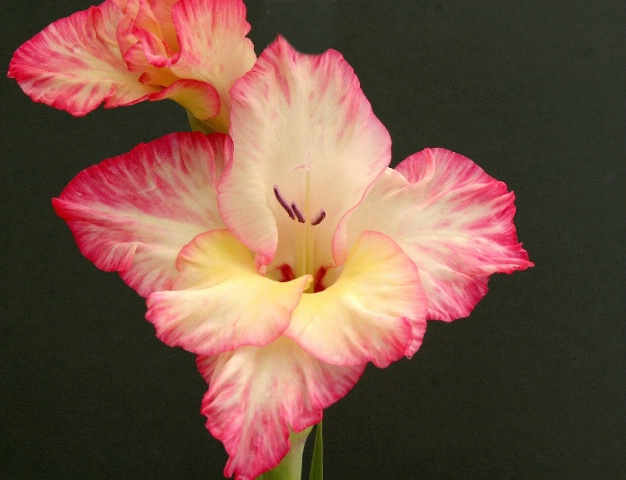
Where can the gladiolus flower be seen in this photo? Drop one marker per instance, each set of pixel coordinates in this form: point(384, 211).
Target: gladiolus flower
point(126, 51)
point(288, 255)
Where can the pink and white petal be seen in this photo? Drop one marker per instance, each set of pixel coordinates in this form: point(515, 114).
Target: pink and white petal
point(300, 123)
point(126, 26)
point(375, 311)
point(146, 20)
point(213, 44)
point(452, 219)
point(134, 213)
point(257, 396)
point(142, 46)
point(162, 11)
point(226, 302)
point(150, 75)
point(74, 64)
point(148, 52)
point(199, 98)
point(141, 22)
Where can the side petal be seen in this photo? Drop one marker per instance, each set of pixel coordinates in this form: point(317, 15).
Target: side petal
point(226, 302)
point(134, 213)
point(199, 98)
point(74, 64)
point(300, 123)
point(452, 219)
point(257, 396)
point(213, 45)
point(375, 311)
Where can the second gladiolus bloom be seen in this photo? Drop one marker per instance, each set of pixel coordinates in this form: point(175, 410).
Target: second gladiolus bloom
point(287, 255)
point(125, 51)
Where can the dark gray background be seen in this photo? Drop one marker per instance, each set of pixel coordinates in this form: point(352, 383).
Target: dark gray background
point(532, 385)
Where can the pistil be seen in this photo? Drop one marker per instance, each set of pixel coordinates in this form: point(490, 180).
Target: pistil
point(308, 243)
point(305, 257)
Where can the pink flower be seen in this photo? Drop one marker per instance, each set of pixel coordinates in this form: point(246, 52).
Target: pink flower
point(126, 51)
point(288, 255)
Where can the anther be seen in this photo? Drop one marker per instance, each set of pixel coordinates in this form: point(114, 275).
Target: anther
point(318, 218)
point(299, 214)
point(284, 204)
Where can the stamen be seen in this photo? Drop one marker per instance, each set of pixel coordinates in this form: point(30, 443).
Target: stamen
point(284, 204)
point(299, 214)
point(318, 218)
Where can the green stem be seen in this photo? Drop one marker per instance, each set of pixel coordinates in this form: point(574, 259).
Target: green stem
point(212, 125)
point(291, 466)
point(198, 125)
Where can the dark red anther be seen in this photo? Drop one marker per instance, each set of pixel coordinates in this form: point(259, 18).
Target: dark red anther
point(283, 204)
point(299, 214)
point(318, 218)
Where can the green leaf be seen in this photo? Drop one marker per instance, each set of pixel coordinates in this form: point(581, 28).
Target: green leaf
point(317, 462)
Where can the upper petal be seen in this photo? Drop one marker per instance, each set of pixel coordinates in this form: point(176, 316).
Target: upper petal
point(220, 301)
point(375, 311)
point(74, 64)
point(257, 396)
point(452, 219)
point(300, 123)
point(134, 213)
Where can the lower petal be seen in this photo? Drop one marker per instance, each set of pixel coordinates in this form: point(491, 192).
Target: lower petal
point(226, 303)
point(257, 396)
point(375, 311)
